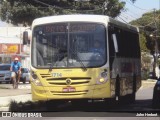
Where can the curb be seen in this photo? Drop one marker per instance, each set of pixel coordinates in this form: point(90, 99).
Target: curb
point(149, 81)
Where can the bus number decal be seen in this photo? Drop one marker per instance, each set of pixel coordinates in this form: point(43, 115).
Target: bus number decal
point(57, 74)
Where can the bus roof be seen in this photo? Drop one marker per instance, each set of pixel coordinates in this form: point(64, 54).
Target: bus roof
point(82, 18)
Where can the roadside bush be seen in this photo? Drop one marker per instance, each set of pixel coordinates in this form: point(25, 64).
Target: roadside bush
point(26, 106)
point(144, 74)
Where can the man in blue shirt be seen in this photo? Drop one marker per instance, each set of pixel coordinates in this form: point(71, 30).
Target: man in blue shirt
point(16, 68)
point(97, 48)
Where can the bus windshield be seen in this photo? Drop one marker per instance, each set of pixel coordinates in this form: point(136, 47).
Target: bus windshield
point(69, 45)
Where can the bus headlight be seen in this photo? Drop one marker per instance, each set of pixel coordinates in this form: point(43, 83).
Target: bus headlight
point(104, 74)
point(36, 80)
point(103, 78)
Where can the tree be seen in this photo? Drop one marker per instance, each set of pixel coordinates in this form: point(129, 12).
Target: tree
point(25, 11)
point(149, 24)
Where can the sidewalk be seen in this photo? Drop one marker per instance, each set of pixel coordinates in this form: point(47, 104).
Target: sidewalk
point(5, 101)
point(148, 83)
point(8, 94)
point(19, 98)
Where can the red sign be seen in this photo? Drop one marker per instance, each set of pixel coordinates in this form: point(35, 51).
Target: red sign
point(69, 89)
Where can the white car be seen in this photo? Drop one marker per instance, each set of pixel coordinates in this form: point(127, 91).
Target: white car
point(5, 73)
point(25, 75)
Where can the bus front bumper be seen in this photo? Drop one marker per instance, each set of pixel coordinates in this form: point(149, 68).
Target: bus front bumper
point(66, 93)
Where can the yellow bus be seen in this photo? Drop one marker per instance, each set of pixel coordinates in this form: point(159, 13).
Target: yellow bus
point(84, 57)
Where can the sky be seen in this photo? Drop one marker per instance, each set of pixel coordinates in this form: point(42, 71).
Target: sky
point(133, 11)
point(136, 10)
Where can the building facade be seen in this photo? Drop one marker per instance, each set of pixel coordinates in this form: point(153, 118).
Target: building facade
point(11, 46)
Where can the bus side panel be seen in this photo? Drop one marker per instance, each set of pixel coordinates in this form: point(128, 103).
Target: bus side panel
point(125, 69)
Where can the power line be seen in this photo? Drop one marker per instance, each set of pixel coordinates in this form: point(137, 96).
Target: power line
point(122, 19)
point(43, 3)
point(129, 15)
point(135, 5)
point(133, 13)
point(147, 24)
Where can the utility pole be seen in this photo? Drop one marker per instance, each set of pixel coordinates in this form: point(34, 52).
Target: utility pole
point(156, 43)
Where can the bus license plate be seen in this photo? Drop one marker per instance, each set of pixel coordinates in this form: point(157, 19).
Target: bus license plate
point(69, 89)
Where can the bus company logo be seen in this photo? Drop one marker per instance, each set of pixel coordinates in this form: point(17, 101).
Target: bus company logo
point(68, 81)
point(6, 114)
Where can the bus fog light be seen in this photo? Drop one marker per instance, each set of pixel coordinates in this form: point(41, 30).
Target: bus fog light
point(42, 91)
point(101, 80)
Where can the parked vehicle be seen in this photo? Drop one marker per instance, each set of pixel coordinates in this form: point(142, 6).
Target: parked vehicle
point(5, 73)
point(25, 75)
point(152, 76)
point(156, 95)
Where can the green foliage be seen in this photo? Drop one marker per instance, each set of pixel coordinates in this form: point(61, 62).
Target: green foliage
point(143, 43)
point(145, 65)
point(149, 24)
point(25, 11)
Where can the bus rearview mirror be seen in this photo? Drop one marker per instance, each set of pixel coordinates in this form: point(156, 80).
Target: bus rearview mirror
point(25, 37)
point(114, 38)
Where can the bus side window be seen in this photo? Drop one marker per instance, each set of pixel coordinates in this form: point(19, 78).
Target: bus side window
point(114, 38)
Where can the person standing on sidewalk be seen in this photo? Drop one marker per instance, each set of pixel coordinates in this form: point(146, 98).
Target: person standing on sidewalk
point(16, 70)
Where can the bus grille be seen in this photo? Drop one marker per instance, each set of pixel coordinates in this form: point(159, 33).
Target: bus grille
point(69, 93)
point(62, 81)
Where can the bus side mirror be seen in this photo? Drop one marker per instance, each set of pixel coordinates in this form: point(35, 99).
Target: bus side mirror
point(114, 38)
point(25, 37)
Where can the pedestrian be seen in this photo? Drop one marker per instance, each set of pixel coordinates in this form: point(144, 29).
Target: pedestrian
point(16, 70)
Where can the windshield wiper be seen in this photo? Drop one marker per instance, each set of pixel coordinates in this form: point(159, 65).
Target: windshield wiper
point(79, 60)
point(51, 64)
